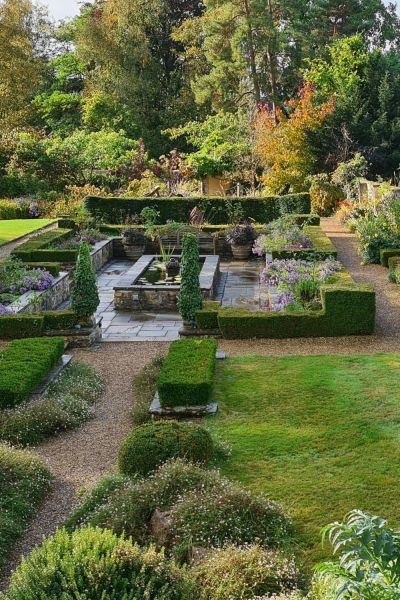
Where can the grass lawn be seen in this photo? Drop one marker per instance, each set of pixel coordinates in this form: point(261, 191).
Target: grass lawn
point(319, 434)
point(13, 229)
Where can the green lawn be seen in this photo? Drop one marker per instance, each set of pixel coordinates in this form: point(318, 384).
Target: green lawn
point(319, 434)
point(13, 229)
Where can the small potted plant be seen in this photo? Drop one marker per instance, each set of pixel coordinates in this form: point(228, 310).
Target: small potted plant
point(134, 242)
point(241, 238)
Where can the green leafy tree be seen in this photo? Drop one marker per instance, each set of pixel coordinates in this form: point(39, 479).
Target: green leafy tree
point(366, 86)
point(135, 62)
point(85, 296)
point(190, 298)
point(20, 63)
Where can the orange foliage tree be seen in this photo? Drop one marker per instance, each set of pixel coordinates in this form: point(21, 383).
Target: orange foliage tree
point(283, 142)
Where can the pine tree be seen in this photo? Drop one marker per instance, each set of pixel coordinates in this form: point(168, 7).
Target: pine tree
point(190, 298)
point(85, 296)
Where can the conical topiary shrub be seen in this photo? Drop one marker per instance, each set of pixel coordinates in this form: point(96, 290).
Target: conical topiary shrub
point(190, 298)
point(85, 297)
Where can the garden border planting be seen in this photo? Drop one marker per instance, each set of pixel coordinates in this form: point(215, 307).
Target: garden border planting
point(262, 209)
point(321, 244)
point(37, 248)
point(186, 376)
point(24, 365)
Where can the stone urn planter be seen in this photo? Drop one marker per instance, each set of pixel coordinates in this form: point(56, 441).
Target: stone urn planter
point(134, 243)
point(241, 252)
point(241, 239)
point(173, 267)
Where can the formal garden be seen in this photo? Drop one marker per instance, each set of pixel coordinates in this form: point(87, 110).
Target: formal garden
point(199, 301)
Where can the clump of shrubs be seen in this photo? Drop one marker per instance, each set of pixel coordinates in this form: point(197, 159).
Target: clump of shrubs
point(150, 445)
point(66, 404)
point(24, 481)
point(204, 508)
point(95, 563)
point(227, 514)
point(245, 572)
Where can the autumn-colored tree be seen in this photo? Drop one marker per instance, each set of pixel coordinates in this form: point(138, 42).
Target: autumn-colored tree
point(283, 140)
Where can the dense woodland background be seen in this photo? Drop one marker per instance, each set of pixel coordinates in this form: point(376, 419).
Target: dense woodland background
point(272, 94)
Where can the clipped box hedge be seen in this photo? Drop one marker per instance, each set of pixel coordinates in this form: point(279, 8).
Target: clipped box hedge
point(187, 373)
point(347, 309)
point(261, 209)
point(26, 325)
point(24, 365)
point(320, 243)
point(38, 248)
point(387, 253)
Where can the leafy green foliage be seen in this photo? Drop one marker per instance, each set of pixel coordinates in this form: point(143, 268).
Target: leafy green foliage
point(190, 297)
point(24, 481)
point(68, 562)
point(145, 386)
point(239, 573)
point(66, 404)
point(85, 297)
point(150, 445)
point(368, 565)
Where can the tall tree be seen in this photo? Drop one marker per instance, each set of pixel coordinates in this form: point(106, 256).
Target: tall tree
point(20, 61)
point(134, 60)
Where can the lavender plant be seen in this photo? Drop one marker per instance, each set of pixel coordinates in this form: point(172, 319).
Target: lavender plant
point(17, 279)
point(298, 281)
point(282, 234)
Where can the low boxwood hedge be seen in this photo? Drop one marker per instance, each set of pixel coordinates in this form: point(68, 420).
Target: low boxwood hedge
point(387, 253)
point(24, 365)
point(52, 267)
point(262, 209)
point(321, 244)
point(150, 445)
point(347, 309)
point(37, 248)
point(13, 327)
point(187, 373)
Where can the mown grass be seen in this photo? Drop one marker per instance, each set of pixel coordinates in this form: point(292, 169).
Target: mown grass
point(12, 229)
point(320, 434)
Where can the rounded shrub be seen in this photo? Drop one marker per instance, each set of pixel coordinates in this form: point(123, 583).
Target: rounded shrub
point(237, 573)
point(228, 514)
point(92, 563)
point(126, 505)
point(150, 445)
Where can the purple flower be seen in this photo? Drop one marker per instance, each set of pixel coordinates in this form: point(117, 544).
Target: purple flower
point(5, 311)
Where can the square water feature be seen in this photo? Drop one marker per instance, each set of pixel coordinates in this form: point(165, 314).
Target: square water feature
point(147, 286)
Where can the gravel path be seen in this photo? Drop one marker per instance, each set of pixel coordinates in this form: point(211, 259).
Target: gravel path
point(78, 459)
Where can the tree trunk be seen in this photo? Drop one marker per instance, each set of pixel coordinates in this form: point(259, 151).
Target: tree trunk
point(252, 53)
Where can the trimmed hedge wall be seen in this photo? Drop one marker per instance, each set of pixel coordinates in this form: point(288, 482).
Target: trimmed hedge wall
point(187, 373)
point(347, 309)
point(37, 248)
point(52, 267)
point(387, 253)
point(320, 243)
point(24, 365)
point(34, 325)
point(262, 209)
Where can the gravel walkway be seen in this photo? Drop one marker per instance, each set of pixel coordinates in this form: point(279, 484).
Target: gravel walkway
point(78, 459)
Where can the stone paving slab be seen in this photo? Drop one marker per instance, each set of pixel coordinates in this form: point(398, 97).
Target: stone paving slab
point(238, 286)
